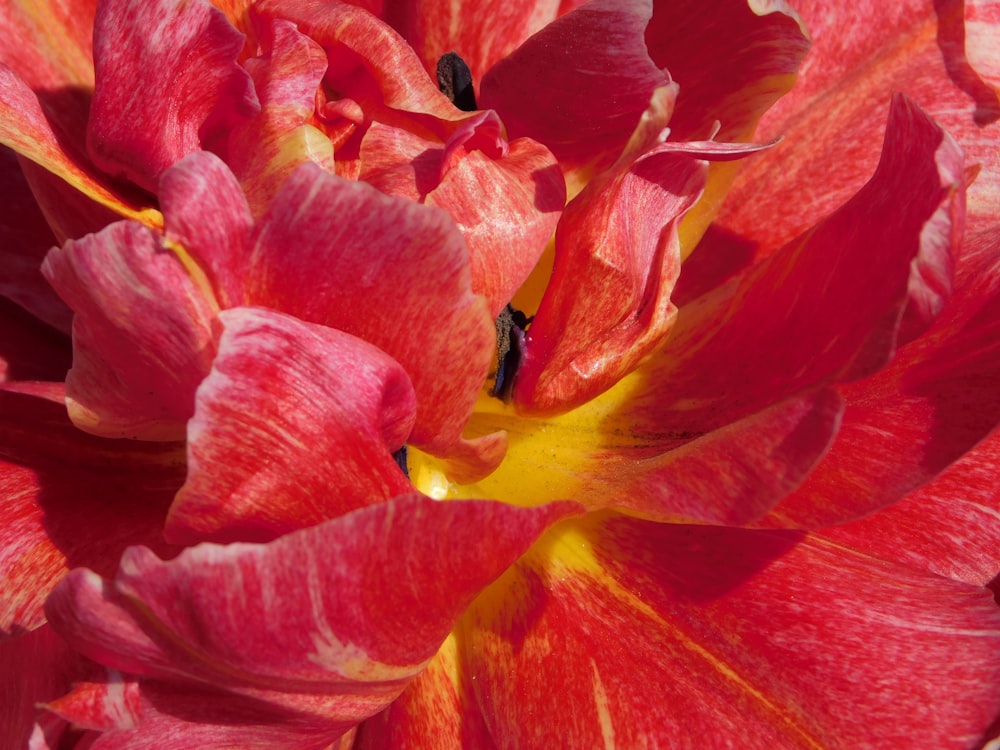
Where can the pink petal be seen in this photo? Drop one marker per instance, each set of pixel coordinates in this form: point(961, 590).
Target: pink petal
point(681, 636)
point(583, 114)
point(830, 306)
point(388, 271)
point(206, 212)
point(506, 202)
point(142, 335)
point(71, 499)
point(482, 33)
point(296, 424)
point(161, 96)
point(25, 127)
point(267, 148)
point(982, 32)
point(48, 43)
point(325, 627)
point(948, 526)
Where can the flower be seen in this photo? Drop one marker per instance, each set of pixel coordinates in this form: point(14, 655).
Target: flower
point(714, 507)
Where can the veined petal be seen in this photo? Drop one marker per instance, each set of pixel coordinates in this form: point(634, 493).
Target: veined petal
point(48, 42)
point(982, 32)
point(25, 127)
point(388, 271)
point(583, 114)
point(830, 306)
point(71, 499)
point(438, 709)
point(142, 335)
point(950, 526)
point(320, 628)
point(682, 636)
point(161, 96)
point(206, 213)
point(296, 424)
point(482, 33)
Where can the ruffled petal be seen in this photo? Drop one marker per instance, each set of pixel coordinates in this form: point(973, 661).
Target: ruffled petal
point(207, 218)
point(584, 114)
point(681, 636)
point(161, 96)
point(306, 635)
point(71, 500)
point(296, 424)
point(142, 335)
point(831, 306)
point(388, 271)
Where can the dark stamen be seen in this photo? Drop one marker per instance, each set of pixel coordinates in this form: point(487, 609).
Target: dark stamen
point(455, 81)
point(511, 325)
point(400, 457)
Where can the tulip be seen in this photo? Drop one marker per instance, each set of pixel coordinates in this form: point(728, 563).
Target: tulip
point(310, 482)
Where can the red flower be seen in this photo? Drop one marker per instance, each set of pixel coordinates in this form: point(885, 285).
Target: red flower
point(779, 456)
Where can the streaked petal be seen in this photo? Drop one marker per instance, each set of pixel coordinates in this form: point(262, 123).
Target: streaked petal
point(296, 424)
point(206, 214)
point(830, 306)
point(48, 43)
point(70, 500)
point(353, 609)
point(388, 271)
point(583, 114)
point(142, 335)
point(684, 636)
point(161, 96)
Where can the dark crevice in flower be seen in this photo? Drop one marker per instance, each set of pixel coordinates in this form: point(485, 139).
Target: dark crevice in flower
point(455, 81)
point(400, 458)
point(511, 325)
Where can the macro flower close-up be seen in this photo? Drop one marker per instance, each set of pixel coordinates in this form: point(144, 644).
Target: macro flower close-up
point(478, 374)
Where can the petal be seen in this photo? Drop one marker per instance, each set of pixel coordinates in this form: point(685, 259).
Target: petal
point(48, 42)
point(438, 708)
point(982, 31)
point(161, 96)
point(583, 114)
point(30, 350)
point(142, 335)
point(830, 306)
point(70, 500)
point(830, 120)
point(36, 666)
point(388, 271)
point(267, 148)
point(682, 636)
point(948, 526)
point(206, 214)
point(296, 424)
point(25, 127)
point(318, 629)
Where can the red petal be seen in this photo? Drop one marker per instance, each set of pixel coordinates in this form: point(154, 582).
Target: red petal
point(206, 212)
point(161, 96)
point(482, 33)
point(30, 350)
point(295, 424)
point(584, 114)
point(691, 636)
point(826, 307)
point(48, 43)
point(318, 629)
point(438, 708)
point(608, 303)
point(388, 271)
point(732, 59)
point(71, 499)
point(266, 149)
point(948, 527)
point(142, 336)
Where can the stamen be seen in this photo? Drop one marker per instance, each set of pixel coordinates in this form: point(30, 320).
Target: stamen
point(455, 81)
point(511, 325)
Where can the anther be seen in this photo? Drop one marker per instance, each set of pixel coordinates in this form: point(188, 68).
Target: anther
point(455, 81)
